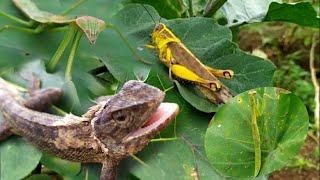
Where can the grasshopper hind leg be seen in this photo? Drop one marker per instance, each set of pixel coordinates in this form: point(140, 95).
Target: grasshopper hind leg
point(220, 73)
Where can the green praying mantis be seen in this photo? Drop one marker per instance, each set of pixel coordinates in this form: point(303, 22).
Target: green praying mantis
point(76, 27)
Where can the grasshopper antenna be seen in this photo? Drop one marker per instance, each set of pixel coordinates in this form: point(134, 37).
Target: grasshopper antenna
point(149, 13)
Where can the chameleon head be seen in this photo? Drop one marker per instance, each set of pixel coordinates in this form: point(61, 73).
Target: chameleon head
point(132, 117)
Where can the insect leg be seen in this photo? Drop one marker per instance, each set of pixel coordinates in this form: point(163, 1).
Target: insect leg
point(37, 30)
point(74, 48)
point(17, 20)
point(188, 75)
point(227, 74)
point(51, 66)
point(149, 46)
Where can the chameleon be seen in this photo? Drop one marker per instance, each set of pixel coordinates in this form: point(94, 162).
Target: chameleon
point(115, 127)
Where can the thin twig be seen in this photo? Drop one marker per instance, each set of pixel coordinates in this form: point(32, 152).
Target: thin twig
point(315, 83)
point(212, 7)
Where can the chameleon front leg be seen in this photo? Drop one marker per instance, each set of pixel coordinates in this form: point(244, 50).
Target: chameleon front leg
point(41, 99)
point(109, 170)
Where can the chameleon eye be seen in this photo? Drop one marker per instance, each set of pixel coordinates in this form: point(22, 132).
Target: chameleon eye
point(119, 117)
point(159, 27)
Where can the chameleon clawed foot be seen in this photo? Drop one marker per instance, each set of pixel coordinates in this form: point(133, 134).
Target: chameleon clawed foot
point(41, 99)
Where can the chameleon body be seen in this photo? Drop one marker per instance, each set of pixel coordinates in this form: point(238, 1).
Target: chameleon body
point(116, 127)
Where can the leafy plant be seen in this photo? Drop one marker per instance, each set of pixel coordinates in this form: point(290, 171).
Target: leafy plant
point(188, 147)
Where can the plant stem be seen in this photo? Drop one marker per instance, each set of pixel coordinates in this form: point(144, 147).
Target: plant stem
point(52, 64)
point(255, 133)
point(191, 14)
point(212, 7)
point(74, 48)
point(127, 43)
point(315, 83)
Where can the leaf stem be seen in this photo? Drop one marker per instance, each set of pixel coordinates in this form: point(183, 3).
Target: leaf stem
point(73, 51)
point(52, 64)
point(255, 133)
point(212, 7)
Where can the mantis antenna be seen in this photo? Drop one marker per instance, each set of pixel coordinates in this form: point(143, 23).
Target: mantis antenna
point(149, 14)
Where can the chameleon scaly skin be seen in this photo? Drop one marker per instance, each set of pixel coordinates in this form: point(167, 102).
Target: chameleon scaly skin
point(108, 132)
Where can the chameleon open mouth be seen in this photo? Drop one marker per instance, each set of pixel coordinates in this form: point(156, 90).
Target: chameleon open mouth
point(165, 113)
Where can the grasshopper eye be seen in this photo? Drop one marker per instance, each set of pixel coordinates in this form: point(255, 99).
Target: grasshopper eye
point(159, 27)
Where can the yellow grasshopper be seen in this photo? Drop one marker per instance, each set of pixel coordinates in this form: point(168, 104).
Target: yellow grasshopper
point(184, 65)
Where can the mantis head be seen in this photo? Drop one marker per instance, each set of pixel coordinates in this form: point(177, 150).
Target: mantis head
point(91, 26)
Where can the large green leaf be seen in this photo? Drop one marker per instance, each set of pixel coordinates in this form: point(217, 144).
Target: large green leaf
point(282, 122)
point(238, 12)
point(17, 158)
point(209, 41)
point(63, 167)
point(301, 13)
point(169, 9)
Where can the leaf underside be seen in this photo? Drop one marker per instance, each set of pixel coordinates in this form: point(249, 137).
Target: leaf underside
point(31, 10)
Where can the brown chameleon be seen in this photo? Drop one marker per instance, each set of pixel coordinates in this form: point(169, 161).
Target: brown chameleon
point(116, 127)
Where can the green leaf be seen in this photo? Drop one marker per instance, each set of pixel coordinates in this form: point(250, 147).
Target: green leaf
point(17, 158)
point(210, 42)
point(301, 13)
point(282, 121)
point(63, 167)
point(39, 177)
point(191, 95)
point(90, 172)
point(169, 9)
point(249, 11)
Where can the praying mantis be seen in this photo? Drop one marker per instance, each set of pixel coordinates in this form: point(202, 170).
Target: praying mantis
point(76, 27)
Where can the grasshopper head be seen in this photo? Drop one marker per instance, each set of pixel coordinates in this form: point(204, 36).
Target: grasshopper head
point(157, 31)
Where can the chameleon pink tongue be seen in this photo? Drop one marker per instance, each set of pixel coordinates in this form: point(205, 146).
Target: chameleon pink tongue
point(165, 113)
